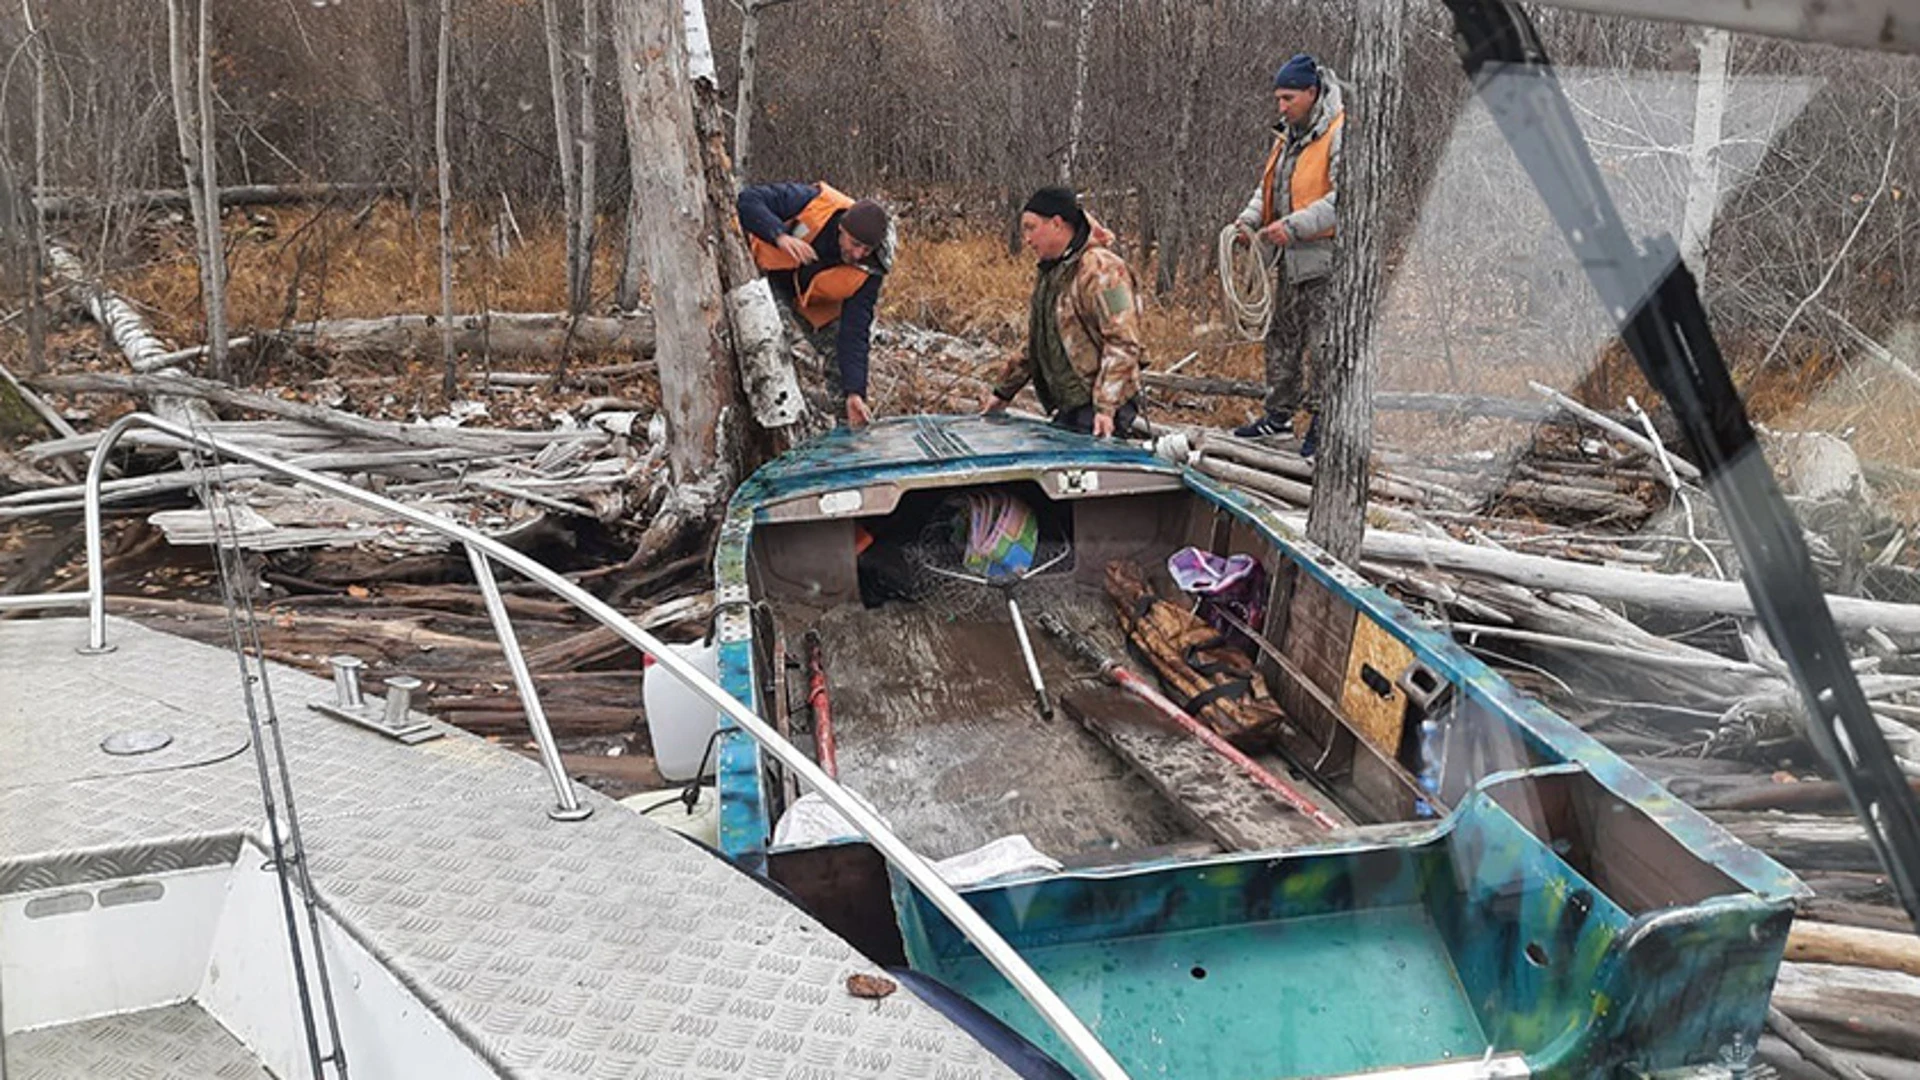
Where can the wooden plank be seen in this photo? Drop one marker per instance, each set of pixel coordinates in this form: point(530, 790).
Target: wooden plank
point(1218, 799)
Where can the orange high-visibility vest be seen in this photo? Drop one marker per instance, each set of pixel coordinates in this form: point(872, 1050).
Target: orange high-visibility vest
point(1312, 174)
point(828, 289)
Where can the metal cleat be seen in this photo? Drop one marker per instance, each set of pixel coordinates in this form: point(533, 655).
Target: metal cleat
point(393, 717)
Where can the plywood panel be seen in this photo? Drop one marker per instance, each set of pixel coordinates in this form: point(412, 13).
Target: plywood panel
point(1378, 716)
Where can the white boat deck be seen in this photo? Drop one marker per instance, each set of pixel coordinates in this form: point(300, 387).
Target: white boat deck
point(605, 948)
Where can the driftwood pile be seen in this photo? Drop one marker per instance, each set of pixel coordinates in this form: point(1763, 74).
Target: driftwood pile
point(1588, 564)
point(576, 467)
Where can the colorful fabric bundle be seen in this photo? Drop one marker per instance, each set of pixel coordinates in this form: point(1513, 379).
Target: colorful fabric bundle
point(1236, 584)
point(1002, 534)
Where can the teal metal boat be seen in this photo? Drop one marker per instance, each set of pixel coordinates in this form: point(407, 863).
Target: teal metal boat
point(1501, 895)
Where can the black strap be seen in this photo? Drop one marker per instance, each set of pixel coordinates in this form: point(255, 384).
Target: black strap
point(1231, 690)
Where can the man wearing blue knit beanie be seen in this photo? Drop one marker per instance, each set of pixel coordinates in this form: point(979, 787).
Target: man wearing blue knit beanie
point(1292, 209)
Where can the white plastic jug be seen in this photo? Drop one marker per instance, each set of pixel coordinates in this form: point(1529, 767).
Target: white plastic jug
point(679, 720)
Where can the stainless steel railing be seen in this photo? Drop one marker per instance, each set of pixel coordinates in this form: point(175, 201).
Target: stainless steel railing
point(482, 551)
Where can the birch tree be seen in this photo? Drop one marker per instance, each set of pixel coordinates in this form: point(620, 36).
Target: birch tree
point(1077, 115)
point(586, 224)
point(1703, 160)
point(1179, 202)
point(216, 250)
point(713, 314)
point(194, 161)
point(449, 381)
point(1336, 514)
point(744, 103)
point(29, 204)
point(564, 139)
point(416, 103)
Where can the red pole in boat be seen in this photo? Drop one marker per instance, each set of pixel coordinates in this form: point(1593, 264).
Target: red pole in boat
point(1125, 679)
point(817, 699)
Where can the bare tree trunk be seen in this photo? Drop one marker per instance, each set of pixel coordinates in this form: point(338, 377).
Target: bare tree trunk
point(205, 229)
point(702, 293)
point(563, 139)
point(743, 100)
point(216, 252)
point(1076, 118)
point(1703, 162)
point(1016, 165)
point(449, 382)
point(697, 382)
point(627, 294)
point(1336, 517)
point(589, 151)
point(1179, 192)
point(32, 214)
point(416, 104)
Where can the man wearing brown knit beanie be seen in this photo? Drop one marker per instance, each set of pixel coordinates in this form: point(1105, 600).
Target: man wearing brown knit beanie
point(825, 255)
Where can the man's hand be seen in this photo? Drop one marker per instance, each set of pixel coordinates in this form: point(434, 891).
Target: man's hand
point(858, 414)
point(991, 402)
point(1102, 425)
point(797, 249)
point(1278, 234)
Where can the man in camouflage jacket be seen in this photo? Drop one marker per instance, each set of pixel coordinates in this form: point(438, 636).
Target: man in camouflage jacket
point(1083, 352)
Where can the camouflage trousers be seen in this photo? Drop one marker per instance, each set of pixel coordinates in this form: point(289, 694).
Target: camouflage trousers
point(1295, 338)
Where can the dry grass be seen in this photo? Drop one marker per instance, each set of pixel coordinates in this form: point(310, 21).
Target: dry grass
point(293, 264)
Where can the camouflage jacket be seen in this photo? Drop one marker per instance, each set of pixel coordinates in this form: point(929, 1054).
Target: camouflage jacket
point(1098, 314)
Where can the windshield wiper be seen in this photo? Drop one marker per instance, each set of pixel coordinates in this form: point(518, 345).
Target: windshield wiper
point(1651, 296)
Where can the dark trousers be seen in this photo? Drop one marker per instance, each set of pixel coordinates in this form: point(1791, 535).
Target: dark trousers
point(1081, 419)
point(1295, 340)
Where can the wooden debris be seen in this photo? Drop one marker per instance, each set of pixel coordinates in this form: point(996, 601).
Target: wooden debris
point(500, 334)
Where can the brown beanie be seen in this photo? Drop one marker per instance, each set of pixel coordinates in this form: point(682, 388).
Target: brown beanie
point(865, 221)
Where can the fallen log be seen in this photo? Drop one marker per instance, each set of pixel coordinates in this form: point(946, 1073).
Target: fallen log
point(636, 771)
point(501, 334)
point(1812, 795)
point(1388, 401)
point(405, 634)
point(1866, 1024)
point(601, 644)
point(1575, 499)
point(1660, 592)
point(1811, 1048)
point(1852, 913)
point(418, 435)
point(123, 324)
point(1295, 467)
point(1804, 841)
point(1881, 950)
point(566, 721)
point(72, 204)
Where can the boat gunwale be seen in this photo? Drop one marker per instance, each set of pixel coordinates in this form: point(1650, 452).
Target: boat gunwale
point(746, 828)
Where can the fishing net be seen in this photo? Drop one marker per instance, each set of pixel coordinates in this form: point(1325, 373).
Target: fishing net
point(975, 543)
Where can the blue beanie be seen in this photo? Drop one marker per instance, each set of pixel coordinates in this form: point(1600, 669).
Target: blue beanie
point(1302, 72)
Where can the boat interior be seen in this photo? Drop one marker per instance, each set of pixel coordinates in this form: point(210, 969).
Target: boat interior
point(1479, 865)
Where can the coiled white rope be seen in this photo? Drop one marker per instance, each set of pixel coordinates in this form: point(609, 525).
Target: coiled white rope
point(1246, 282)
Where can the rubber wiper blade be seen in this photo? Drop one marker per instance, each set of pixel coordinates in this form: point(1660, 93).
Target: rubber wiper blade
point(1650, 295)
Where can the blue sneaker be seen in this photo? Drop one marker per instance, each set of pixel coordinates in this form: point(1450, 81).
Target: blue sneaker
point(1311, 440)
point(1266, 427)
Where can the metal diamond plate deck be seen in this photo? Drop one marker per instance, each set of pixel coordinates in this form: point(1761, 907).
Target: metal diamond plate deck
point(607, 948)
point(178, 1042)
